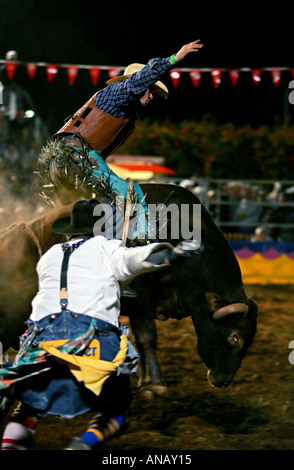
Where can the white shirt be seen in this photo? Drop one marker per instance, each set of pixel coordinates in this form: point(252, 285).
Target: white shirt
point(95, 269)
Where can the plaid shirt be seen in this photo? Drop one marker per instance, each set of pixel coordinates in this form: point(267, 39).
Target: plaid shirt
point(120, 98)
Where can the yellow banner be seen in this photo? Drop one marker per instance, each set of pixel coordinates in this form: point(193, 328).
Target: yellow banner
point(259, 270)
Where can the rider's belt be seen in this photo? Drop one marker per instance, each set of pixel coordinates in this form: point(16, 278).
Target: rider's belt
point(102, 131)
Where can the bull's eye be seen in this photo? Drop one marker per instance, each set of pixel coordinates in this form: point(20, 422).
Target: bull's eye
point(235, 340)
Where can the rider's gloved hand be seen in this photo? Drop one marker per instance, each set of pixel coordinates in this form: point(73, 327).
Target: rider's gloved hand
point(184, 249)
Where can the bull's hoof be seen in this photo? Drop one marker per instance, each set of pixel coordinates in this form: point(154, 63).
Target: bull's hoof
point(150, 391)
point(146, 393)
point(160, 390)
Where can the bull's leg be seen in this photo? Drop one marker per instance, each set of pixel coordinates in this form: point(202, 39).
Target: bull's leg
point(151, 379)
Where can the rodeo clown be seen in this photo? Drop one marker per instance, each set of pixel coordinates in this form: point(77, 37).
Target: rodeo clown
point(75, 356)
point(76, 158)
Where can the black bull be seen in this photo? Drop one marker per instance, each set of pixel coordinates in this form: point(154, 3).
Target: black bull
point(207, 287)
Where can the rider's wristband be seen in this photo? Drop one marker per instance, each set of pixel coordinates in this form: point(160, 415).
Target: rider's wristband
point(173, 59)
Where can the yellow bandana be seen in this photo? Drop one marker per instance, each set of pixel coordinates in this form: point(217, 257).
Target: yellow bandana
point(88, 369)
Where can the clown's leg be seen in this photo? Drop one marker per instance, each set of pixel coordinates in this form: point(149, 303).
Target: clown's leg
point(100, 429)
point(20, 430)
point(112, 419)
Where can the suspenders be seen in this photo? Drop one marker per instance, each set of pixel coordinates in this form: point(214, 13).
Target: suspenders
point(67, 250)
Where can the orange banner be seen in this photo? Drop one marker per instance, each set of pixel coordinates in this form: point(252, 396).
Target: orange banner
point(259, 270)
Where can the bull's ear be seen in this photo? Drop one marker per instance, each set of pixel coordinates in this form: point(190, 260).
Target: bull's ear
point(215, 301)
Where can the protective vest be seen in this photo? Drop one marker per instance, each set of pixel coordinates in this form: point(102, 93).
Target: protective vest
point(102, 131)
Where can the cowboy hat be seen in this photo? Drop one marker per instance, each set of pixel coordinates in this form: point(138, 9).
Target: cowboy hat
point(81, 221)
point(157, 88)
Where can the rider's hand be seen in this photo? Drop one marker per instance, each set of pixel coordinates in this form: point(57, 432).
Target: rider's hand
point(185, 50)
point(184, 249)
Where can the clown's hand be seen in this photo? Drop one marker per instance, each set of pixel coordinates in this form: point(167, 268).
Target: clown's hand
point(184, 249)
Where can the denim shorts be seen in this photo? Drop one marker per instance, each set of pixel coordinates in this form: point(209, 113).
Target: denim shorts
point(56, 391)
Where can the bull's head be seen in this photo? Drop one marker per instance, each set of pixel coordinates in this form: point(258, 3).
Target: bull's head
point(224, 334)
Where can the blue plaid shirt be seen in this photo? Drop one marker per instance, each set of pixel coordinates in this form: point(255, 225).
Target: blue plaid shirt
point(121, 98)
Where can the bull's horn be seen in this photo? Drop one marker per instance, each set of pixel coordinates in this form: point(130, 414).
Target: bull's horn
point(229, 309)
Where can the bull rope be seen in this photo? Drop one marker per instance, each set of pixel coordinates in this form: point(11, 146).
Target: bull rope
point(127, 213)
point(35, 239)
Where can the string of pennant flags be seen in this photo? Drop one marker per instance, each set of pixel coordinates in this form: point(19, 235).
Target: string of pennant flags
point(175, 74)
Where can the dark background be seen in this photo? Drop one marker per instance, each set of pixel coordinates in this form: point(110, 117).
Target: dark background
point(239, 34)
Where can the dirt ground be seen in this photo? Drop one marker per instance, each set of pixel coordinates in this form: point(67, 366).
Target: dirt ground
point(256, 412)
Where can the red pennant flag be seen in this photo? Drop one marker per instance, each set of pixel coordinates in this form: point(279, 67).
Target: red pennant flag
point(72, 71)
point(292, 72)
point(10, 69)
point(175, 76)
point(256, 75)
point(31, 69)
point(234, 76)
point(276, 76)
point(94, 74)
point(195, 76)
point(51, 71)
point(113, 73)
point(216, 76)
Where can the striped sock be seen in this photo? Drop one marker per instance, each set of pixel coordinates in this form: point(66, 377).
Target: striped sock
point(102, 428)
point(19, 432)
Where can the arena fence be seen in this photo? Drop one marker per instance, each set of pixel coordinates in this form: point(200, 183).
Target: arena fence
point(240, 206)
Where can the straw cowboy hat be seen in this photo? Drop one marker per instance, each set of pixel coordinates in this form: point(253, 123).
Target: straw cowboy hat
point(158, 88)
point(81, 221)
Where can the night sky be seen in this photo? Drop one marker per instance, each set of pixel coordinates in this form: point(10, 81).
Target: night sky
point(240, 34)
